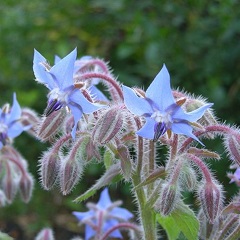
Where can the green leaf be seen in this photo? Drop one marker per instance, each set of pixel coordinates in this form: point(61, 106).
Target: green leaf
point(183, 219)
point(112, 175)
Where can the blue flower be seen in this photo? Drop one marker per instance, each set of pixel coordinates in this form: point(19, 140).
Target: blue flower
point(10, 125)
point(160, 109)
point(59, 80)
point(105, 213)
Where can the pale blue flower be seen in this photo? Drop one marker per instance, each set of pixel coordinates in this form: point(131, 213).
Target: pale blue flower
point(160, 109)
point(59, 80)
point(10, 122)
point(106, 211)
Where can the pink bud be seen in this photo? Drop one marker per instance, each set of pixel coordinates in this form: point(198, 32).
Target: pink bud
point(51, 124)
point(210, 195)
point(124, 156)
point(108, 125)
point(168, 199)
point(70, 172)
point(26, 187)
point(9, 184)
point(45, 234)
point(91, 150)
point(188, 178)
point(49, 168)
point(233, 148)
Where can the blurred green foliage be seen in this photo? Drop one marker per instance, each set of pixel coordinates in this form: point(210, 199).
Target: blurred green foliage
point(198, 41)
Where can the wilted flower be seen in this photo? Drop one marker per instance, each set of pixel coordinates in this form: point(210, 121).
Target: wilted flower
point(105, 214)
point(10, 124)
point(59, 80)
point(160, 109)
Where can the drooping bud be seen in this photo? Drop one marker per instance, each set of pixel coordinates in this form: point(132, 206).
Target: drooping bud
point(188, 178)
point(210, 195)
point(124, 156)
point(108, 125)
point(168, 199)
point(71, 168)
point(49, 168)
point(9, 184)
point(233, 148)
point(45, 234)
point(26, 187)
point(51, 124)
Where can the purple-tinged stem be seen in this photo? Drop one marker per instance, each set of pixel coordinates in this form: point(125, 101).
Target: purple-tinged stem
point(106, 78)
point(120, 225)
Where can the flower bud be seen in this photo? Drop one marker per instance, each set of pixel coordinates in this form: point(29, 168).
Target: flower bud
point(45, 234)
point(49, 168)
point(108, 126)
point(168, 199)
point(70, 170)
point(26, 187)
point(210, 195)
point(233, 148)
point(9, 184)
point(51, 124)
point(188, 178)
point(124, 156)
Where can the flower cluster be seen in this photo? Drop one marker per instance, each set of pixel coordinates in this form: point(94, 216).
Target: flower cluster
point(90, 117)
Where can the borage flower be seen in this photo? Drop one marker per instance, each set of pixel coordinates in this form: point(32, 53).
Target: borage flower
point(103, 216)
point(10, 122)
point(161, 110)
point(59, 80)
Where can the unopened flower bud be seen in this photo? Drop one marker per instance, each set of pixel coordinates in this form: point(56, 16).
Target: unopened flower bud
point(109, 125)
point(45, 234)
point(49, 168)
point(9, 184)
point(51, 124)
point(70, 172)
point(210, 195)
point(188, 178)
point(168, 199)
point(91, 150)
point(233, 148)
point(26, 187)
point(124, 156)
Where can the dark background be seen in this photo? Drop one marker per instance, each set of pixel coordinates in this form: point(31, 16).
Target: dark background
point(197, 40)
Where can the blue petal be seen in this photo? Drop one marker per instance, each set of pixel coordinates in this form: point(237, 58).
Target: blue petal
point(185, 129)
point(104, 200)
point(15, 130)
point(1, 145)
point(62, 71)
point(15, 112)
point(77, 114)
point(81, 215)
point(147, 131)
point(135, 104)
point(160, 91)
point(89, 232)
point(87, 107)
point(97, 94)
point(56, 59)
point(108, 225)
point(40, 73)
point(121, 213)
point(190, 116)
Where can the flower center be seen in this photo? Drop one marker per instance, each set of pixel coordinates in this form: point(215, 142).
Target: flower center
point(56, 100)
point(163, 123)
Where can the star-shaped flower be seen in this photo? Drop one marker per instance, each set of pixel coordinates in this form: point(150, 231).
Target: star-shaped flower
point(59, 80)
point(10, 125)
point(161, 110)
point(105, 214)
